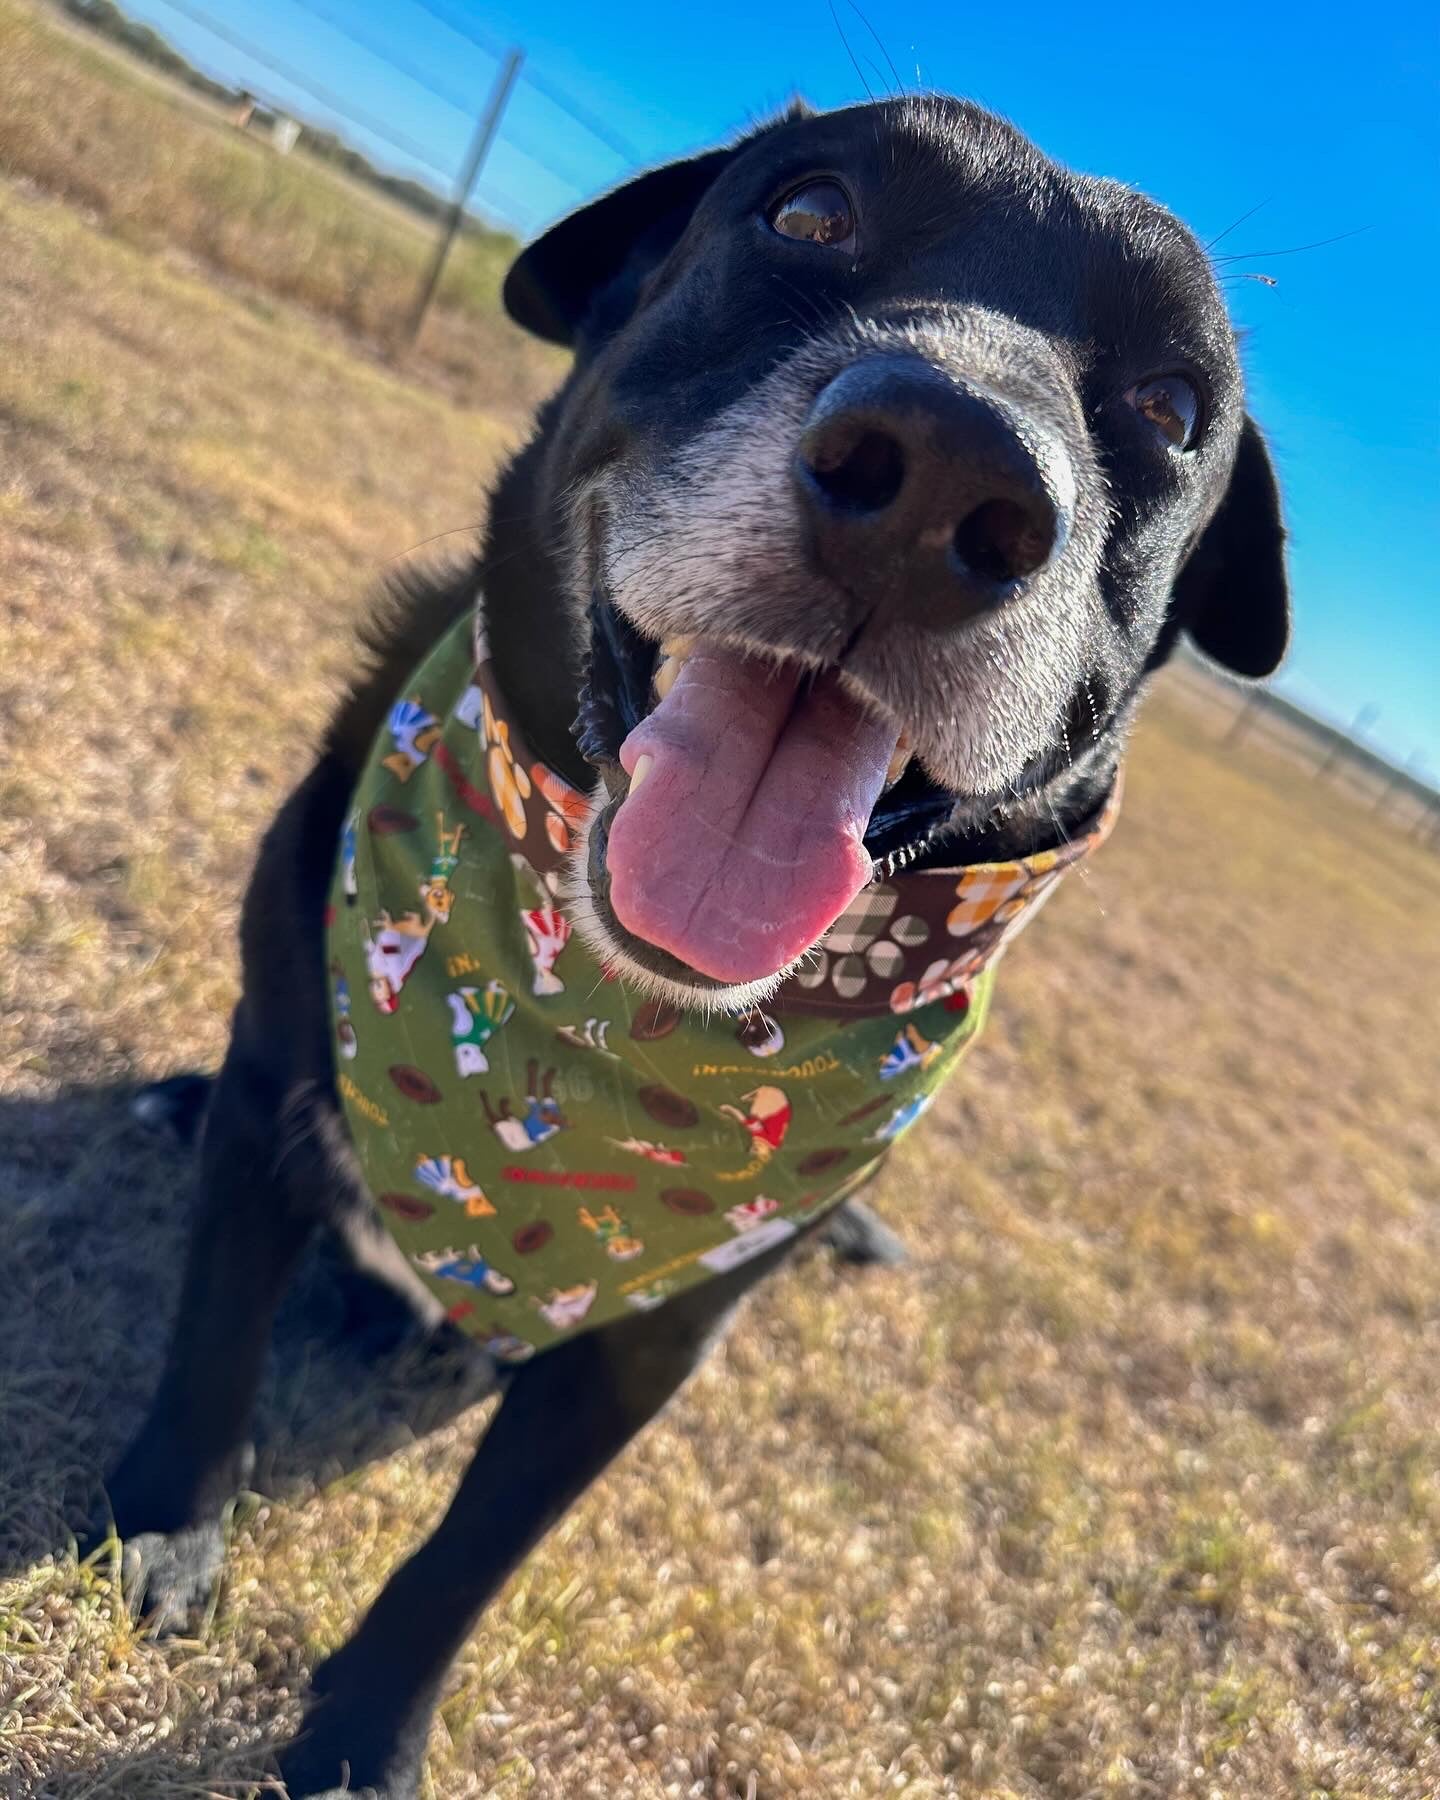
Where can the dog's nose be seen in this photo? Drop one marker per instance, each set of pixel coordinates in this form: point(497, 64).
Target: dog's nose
point(927, 496)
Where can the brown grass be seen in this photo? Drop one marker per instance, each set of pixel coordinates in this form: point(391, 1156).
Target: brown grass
point(1125, 1486)
point(156, 165)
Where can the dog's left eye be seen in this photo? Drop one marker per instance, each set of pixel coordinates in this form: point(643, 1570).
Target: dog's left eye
point(1172, 405)
point(818, 213)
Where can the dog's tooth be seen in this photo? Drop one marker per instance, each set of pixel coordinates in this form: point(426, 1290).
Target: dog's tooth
point(640, 771)
point(673, 653)
point(898, 761)
point(666, 674)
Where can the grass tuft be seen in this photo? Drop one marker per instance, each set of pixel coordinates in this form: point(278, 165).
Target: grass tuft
point(160, 168)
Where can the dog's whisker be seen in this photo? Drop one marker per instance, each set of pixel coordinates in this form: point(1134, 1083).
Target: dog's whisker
point(472, 530)
point(1236, 224)
point(1294, 249)
point(899, 87)
point(835, 19)
point(815, 310)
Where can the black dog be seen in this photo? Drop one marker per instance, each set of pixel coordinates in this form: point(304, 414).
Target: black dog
point(882, 394)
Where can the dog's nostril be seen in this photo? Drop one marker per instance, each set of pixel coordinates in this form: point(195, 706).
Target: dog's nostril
point(865, 478)
point(1003, 541)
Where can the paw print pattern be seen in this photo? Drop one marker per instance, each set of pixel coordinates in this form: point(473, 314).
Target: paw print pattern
point(941, 978)
point(509, 784)
point(865, 949)
point(999, 892)
point(541, 812)
point(565, 809)
point(881, 954)
point(992, 903)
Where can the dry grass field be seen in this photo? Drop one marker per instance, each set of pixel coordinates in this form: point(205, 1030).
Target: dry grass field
point(1126, 1486)
point(156, 166)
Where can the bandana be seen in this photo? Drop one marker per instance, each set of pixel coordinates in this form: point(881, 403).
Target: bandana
point(551, 1149)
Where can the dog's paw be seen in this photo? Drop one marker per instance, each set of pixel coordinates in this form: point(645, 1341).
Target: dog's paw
point(169, 1578)
point(360, 1734)
point(175, 1106)
point(859, 1236)
point(341, 1793)
point(316, 1767)
point(169, 1520)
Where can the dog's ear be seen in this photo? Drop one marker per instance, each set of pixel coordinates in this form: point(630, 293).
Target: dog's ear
point(554, 283)
point(1233, 596)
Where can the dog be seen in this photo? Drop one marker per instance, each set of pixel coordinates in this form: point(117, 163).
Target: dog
point(894, 460)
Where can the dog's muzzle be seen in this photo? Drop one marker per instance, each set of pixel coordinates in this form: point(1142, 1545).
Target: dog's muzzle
point(927, 498)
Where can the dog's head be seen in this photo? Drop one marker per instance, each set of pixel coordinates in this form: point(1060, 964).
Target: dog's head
point(894, 458)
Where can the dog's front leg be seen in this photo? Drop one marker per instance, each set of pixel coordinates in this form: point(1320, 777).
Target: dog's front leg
point(169, 1490)
point(564, 1417)
point(857, 1234)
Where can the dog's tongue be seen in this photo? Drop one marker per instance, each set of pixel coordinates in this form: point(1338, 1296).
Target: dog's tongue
point(741, 843)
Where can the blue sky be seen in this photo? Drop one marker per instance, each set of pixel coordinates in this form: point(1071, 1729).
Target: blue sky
point(1325, 122)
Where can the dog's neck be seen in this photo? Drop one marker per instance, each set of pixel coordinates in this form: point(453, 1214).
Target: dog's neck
point(535, 632)
point(536, 635)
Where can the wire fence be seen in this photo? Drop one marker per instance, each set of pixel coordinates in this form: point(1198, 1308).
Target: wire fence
point(600, 157)
point(565, 141)
point(1326, 753)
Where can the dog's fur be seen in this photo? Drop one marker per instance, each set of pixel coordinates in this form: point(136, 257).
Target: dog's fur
point(659, 479)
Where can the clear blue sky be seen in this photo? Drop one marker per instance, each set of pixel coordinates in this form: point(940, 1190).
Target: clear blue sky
point(1325, 119)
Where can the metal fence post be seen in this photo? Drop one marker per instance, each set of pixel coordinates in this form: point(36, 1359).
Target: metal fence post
point(1340, 743)
point(479, 148)
point(1244, 718)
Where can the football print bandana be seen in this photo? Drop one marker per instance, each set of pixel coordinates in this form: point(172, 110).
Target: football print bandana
point(552, 1150)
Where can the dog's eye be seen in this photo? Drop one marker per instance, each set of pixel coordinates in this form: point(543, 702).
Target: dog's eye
point(1172, 406)
point(818, 213)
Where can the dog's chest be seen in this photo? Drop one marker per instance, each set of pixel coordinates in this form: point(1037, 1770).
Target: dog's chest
point(550, 1149)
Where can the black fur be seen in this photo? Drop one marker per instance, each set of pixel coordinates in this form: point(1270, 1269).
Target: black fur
point(665, 291)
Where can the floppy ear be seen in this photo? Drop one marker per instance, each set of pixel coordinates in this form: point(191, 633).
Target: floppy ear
point(553, 285)
point(1233, 596)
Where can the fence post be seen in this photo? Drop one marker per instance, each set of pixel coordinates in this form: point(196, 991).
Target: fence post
point(479, 149)
point(1410, 772)
point(1341, 743)
point(1244, 718)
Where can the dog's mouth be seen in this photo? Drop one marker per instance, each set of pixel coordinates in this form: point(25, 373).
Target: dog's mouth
point(751, 794)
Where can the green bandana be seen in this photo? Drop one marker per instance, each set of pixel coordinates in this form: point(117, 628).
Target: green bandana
point(550, 1149)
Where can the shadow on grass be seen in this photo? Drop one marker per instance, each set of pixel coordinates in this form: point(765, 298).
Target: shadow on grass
point(94, 1210)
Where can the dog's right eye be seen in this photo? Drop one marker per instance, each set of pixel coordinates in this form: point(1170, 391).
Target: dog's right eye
point(1172, 405)
point(817, 213)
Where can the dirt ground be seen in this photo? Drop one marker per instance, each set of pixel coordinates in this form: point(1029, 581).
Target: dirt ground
point(1125, 1485)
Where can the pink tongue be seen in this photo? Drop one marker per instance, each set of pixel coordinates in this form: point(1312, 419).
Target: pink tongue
point(743, 842)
